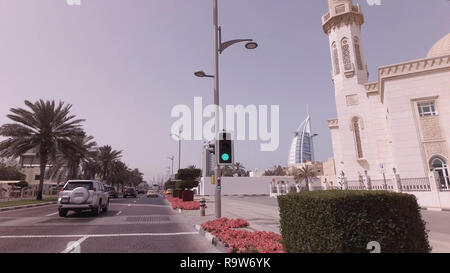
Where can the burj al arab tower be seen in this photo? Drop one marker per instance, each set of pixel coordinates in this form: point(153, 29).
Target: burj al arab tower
point(302, 148)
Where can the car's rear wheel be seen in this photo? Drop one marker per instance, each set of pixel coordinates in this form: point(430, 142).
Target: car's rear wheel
point(63, 212)
point(96, 211)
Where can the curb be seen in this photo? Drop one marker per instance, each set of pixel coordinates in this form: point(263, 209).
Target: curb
point(436, 209)
point(27, 206)
point(212, 239)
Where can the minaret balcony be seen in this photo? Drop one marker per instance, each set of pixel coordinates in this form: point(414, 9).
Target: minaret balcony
point(340, 12)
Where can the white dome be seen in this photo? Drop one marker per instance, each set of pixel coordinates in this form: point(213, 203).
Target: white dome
point(441, 48)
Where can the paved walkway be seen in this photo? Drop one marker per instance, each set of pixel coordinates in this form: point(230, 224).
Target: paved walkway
point(262, 217)
point(262, 213)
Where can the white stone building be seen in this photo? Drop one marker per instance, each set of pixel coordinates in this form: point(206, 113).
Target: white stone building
point(398, 124)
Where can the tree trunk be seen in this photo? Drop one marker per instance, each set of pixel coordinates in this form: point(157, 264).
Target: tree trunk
point(307, 184)
point(43, 165)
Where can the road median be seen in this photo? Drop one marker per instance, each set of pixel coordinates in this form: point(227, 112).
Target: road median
point(21, 204)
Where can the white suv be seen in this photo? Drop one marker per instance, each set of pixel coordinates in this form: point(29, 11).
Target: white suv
point(79, 195)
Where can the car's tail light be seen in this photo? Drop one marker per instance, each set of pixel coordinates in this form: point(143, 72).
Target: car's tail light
point(62, 189)
point(95, 189)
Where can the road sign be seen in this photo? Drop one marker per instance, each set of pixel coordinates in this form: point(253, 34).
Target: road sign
point(213, 179)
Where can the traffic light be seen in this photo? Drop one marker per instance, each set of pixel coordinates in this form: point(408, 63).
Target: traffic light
point(225, 155)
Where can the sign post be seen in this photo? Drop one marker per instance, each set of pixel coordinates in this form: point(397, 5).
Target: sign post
point(383, 171)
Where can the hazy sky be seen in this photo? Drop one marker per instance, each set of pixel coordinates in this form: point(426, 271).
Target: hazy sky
point(124, 64)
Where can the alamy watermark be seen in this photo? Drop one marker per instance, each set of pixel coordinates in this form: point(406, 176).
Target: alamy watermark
point(73, 2)
point(191, 123)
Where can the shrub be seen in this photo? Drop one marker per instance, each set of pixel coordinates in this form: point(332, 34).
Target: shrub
point(346, 221)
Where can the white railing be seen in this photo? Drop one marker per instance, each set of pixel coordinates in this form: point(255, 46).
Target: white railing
point(415, 184)
point(355, 185)
point(381, 184)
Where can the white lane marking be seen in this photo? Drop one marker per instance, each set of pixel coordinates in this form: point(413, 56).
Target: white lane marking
point(95, 235)
point(51, 214)
point(76, 245)
point(120, 212)
point(129, 205)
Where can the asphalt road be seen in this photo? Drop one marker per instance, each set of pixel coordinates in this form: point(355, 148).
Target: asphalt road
point(132, 225)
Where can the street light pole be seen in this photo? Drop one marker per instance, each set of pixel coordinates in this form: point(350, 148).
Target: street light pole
point(217, 45)
point(171, 158)
point(312, 147)
point(179, 149)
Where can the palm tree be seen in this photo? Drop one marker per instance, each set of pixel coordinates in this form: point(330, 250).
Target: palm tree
point(275, 171)
point(239, 169)
point(46, 128)
point(304, 173)
point(227, 171)
point(67, 164)
point(119, 174)
point(106, 157)
point(91, 168)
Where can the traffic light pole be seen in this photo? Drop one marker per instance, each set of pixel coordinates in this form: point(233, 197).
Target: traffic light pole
point(217, 174)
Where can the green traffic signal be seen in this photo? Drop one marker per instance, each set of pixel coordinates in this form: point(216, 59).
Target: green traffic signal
point(225, 157)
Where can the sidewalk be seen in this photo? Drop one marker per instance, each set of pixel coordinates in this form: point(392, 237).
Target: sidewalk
point(260, 217)
point(265, 217)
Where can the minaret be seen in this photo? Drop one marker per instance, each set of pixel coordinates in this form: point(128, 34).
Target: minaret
point(343, 24)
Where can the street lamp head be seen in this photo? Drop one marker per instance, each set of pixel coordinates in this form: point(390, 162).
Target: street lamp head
point(251, 45)
point(200, 74)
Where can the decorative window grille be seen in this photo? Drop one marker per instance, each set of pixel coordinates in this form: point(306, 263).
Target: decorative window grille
point(427, 108)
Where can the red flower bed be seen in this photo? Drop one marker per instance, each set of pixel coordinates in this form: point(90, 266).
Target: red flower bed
point(242, 241)
point(177, 203)
point(224, 223)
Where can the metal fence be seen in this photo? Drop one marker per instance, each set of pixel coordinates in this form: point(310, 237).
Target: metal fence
point(415, 184)
point(356, 185)
point(382, 184)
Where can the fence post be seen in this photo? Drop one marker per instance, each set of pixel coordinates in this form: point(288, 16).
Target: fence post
point(397, 183)
point(367, 182)
point(343, 182)
point(435, 184)
point(325, 185)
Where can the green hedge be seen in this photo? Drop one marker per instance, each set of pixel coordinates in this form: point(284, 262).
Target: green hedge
point(346, 221)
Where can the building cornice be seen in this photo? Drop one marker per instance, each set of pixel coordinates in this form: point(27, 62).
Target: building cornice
point(372, 88)
point(411, 68)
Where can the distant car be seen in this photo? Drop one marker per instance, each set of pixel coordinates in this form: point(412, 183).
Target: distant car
point(141, 191)
point(152, 193)
point(79, 195)
point(112, 192)
point(129, 192)
point(169, 191)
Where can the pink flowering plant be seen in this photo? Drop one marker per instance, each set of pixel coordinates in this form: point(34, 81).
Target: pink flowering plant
point(243, 241)
point(177, 203)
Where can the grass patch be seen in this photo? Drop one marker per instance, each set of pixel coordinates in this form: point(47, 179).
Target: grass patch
point(24, 202)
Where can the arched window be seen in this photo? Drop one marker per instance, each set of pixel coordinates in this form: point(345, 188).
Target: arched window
point(346, 54)
point(439, 165)
point(337, 69)
point(358, 54)
point(357, 136)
